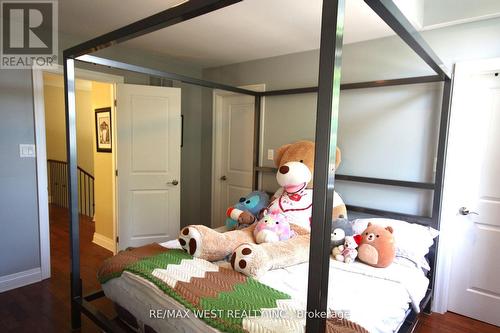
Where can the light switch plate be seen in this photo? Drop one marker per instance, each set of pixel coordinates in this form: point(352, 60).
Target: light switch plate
point(270, 154)
point(27, 150)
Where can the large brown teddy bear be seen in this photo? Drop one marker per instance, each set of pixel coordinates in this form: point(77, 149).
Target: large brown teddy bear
point(377, 246)
point(295, 163)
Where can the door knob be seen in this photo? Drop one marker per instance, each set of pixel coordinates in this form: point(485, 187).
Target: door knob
point(173, 182)
point(223, 178)
point(465, 211)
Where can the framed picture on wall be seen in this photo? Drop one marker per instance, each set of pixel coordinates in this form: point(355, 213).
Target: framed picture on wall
point(103, 130)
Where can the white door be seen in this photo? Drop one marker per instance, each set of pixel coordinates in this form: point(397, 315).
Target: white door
point(234, 131)
point(474, 289)
point(148, 162)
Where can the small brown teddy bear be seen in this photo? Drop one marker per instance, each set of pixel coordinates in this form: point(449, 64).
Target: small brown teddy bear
point(377, 246)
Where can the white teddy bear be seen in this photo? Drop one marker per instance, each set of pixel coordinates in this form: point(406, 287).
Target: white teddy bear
point(346, 253)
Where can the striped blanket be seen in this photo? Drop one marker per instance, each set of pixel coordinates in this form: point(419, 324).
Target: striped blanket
point(224, 299)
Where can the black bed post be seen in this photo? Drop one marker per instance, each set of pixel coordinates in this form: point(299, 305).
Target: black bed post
point(332, 29)
point(256, 143)
point(76, 289)
point(439, 180)
point(441, 152)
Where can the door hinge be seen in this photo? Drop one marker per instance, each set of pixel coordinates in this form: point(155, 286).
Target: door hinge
point(116, 172)
point(117, 239)
point(115, 102)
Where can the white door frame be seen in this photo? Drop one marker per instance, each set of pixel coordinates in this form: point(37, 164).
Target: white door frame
point(41, 153)
point(218, 95)
point(450, 204)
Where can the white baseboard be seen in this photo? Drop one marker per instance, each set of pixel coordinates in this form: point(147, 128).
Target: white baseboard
point(104, 242)
point(21, 279)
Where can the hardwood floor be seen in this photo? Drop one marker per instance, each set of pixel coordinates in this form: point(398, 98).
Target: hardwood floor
point(452, 323)
point(44, 307)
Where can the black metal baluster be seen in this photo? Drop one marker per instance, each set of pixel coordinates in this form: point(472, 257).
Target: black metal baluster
point(93, 197)
point(65, 193)
point(65, 174)
point(88, 195)
point(58, 172)
point(85, 193)
point(54, 175)
point(61, 188)
point(80, 191)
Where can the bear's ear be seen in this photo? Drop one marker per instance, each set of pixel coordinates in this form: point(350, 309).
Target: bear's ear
point(389, 228)
point(338, 158)
point(369, 224)
point(279, 154)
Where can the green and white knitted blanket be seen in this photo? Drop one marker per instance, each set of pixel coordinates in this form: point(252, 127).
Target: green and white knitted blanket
point(224, 299)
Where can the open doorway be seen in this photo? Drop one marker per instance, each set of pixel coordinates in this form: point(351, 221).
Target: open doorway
point(134, 157)
point(96, 183)
point(95, 166)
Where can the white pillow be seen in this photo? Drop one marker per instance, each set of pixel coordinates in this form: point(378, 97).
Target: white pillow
point(412, 240)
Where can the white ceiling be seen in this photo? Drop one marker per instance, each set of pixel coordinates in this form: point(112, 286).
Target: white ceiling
point(248, 30)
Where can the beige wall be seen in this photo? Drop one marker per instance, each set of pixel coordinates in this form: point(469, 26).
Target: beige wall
point(102, 96)
point(55, 121)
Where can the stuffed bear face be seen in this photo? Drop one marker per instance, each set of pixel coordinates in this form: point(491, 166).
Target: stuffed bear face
point(377, 235)
point(295, 163)
point(350, 242)
point(377, 246)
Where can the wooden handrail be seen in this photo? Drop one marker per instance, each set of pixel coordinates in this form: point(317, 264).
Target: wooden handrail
point(65, 163)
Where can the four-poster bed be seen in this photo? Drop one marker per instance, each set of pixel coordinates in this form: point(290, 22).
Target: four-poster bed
point(328, 91)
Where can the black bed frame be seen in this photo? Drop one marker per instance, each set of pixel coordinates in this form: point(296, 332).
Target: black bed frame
point(328, 91)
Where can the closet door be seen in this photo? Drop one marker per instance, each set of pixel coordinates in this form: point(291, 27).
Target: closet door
point(148, 162)
point(233, 159)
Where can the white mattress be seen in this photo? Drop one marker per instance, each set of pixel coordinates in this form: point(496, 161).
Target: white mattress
point(377, 299)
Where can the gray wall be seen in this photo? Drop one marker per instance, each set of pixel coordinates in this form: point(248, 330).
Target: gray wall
point(387, 132)
point(19, 235)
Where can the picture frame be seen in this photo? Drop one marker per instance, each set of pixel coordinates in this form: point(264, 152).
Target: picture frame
point(103, 130)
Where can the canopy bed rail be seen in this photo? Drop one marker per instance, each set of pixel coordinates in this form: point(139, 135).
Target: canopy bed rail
point(369, 180)
point(328, 90)
point(358, 85)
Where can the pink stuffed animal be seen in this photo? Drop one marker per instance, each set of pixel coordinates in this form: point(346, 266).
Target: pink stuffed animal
point(272, 227)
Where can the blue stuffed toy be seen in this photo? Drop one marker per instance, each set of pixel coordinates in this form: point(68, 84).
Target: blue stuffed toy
point(253, 203)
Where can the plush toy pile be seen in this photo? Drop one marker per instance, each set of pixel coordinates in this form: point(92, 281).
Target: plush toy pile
point(375, 246)
point(291, 204)
point(341, 228)
point(347, 252)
